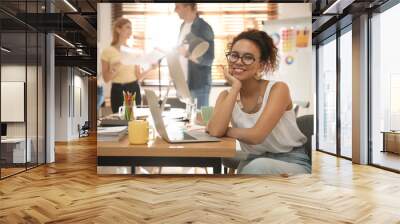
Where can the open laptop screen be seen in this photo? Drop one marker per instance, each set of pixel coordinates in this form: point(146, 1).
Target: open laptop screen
point(178, 78)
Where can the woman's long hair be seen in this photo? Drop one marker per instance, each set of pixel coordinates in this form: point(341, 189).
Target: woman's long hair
point(120, 22)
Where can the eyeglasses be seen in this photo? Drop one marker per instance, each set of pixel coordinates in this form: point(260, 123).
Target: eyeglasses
point(247, 59)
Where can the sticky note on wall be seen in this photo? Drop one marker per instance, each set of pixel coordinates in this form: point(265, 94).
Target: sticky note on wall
point(302, 36)
point(288, 36)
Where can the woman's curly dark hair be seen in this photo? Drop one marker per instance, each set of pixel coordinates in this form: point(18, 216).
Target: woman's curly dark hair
point(268, 50)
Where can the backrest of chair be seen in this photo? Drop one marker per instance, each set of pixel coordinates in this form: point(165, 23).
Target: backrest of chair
point(175, 103)
point(296, 108)
point(86, 125)
point(306, 126)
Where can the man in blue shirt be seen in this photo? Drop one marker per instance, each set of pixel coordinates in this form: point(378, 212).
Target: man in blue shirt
point(197, 70)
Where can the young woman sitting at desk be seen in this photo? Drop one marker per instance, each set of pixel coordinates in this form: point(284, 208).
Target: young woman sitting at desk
point(261, 111)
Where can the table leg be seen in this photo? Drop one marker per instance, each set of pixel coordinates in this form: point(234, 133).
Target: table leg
point(217, 169)
point(161, 161)
point(133, 170)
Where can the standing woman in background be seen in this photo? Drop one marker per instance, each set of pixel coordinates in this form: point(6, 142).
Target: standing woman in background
point(123, 77)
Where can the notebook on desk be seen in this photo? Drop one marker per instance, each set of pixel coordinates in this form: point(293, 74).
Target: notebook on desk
point(113, 123)
point(111, 133)
point(178, 136)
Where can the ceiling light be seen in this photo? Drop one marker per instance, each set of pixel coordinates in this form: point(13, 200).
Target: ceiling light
point(70, 5)
point(64, 40)
point(84, 71)
point(5, 50)
point(337, 7)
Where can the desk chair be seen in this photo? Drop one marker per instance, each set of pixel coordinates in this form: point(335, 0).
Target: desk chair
point(84, 130)
point(306, 126)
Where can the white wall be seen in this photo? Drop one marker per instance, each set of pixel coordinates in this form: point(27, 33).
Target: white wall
point(294, 10)
point(104, 36)
point(79, 117)
point(61, 104)
point(298, 75)
point(14, 73)
point(33, 127)
point(69, 85)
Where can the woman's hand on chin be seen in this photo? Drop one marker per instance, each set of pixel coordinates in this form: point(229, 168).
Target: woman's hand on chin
point(234, 82)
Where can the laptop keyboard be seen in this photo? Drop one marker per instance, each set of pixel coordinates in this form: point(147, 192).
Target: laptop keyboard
point(187, 137)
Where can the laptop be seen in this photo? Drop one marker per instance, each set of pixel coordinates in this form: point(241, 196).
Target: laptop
point(178, 136)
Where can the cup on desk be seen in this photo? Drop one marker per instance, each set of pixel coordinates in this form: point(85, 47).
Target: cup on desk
point(206, 113)
point(138, 132)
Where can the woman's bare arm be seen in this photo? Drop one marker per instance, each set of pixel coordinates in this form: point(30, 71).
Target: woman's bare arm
point(222, 113)
point(109, 71)
point(142, 74)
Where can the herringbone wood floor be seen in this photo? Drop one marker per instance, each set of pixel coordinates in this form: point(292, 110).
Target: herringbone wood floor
point(70, 191)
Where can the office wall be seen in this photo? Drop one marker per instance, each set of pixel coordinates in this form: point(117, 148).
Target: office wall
point(61, 103)
point(71, 102)
point(12, 98)
point(34, 124)
point(17, 73)
point(80, 112)
point(298, 74)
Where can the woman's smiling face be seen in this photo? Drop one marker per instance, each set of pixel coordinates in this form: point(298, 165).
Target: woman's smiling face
point(244, 60)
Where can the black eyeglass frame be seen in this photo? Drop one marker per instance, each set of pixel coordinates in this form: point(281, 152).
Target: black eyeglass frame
point(228, 54)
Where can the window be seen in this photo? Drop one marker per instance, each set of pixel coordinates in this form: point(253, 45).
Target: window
point(327, 96)
point(226, 19)
point(346, 94)
point(394, 101)
point(385, 88)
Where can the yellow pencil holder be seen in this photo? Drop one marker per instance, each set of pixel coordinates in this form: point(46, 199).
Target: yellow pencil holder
point(138, 132)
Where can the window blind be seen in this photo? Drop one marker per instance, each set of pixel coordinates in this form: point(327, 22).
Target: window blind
point(226, 19)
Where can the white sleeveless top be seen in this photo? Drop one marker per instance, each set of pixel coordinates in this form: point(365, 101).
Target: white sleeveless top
point(283, 137)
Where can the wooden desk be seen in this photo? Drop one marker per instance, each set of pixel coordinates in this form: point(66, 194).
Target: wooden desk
point(13, 151)
point(161, 153)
